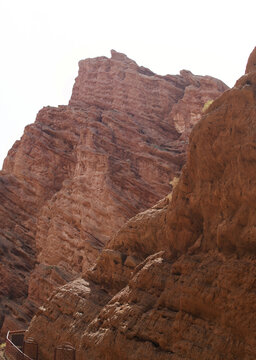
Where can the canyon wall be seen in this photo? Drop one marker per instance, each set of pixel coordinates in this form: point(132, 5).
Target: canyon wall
point(81, 171)
point(177, 281)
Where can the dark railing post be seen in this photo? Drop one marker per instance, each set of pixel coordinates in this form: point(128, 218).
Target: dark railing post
point(65, 352)
point(15, 344)
point(30, 348)
point(18, 348)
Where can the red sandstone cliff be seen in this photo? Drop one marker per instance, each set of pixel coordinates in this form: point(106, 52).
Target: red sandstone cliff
point(178, 280)
point(81, 171)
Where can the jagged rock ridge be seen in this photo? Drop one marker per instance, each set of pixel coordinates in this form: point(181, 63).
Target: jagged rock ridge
point(80, 171)
point(177, 281)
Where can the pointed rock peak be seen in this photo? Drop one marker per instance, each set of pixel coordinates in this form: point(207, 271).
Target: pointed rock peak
point(185, 73)
point(251, 64)
point(119, 56)
point(190, 77)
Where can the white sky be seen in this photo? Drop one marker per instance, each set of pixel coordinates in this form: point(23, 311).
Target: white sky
point(43, 40)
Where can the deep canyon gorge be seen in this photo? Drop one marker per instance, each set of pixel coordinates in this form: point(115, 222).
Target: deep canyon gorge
point(106, 246)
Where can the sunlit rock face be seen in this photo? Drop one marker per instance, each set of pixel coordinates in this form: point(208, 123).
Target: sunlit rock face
point(81, 171)
point(251, 64)
point(178, 280)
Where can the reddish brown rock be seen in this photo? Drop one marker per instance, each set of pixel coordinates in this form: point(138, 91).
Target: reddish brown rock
point(33, 171)
point(251, 64)
point(192, 294)
point(127, 153)
point(187, 111)
point(82, 170)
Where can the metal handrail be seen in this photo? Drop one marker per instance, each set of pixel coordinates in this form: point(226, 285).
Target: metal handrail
point(12, 352)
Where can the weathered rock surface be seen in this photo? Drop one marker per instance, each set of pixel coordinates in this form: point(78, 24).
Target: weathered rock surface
point(129, 150)
point(181, 276)
point(82, 170)
point(32, 173)
point(251, 64)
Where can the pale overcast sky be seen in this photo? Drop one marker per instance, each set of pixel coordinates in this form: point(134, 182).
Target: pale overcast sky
point(43, 40)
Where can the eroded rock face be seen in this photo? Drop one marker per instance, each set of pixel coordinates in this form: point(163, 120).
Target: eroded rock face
point(32, 173)
point(251, 65)
point(82, 170)
point(181, 276)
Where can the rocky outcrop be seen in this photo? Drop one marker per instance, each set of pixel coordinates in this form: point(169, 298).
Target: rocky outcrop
point(251, 64)
point(32, 173)
point(81, 171)
point(187, 111)
point(129, 150)
point(178, 279)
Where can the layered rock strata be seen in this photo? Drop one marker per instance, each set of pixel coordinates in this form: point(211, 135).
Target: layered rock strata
point(178, 280)
point(81, 171)
point(32, 173)
point(130, 149)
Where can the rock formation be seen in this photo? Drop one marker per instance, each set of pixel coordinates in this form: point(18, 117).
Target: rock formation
point(177, 281)
point(81, 171)
point(251, 64)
